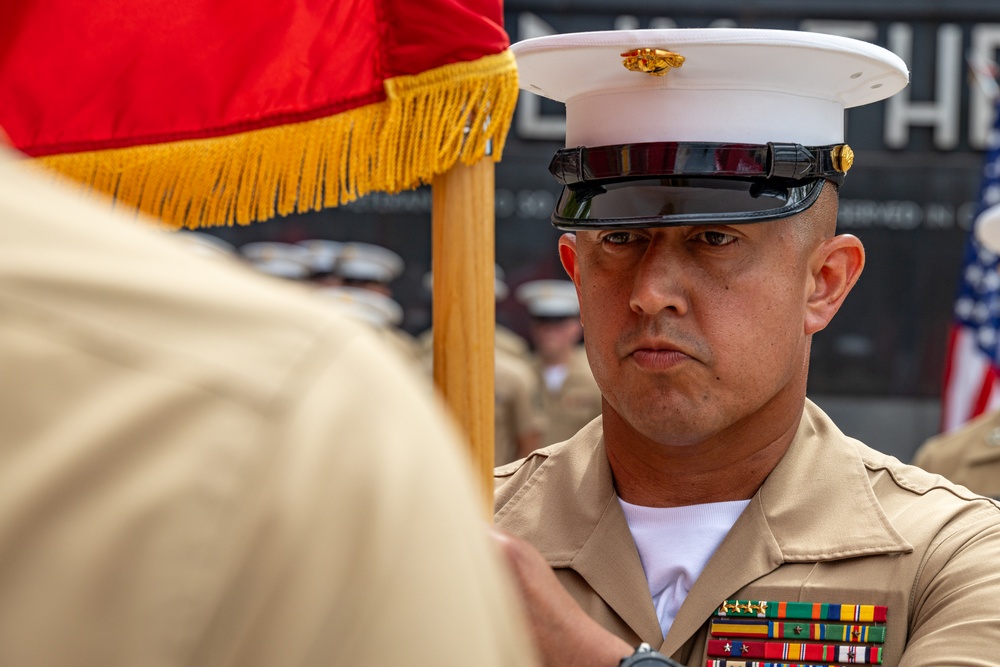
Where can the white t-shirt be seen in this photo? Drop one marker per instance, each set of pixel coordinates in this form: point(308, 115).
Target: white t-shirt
point(675, 544)
point(555, 376)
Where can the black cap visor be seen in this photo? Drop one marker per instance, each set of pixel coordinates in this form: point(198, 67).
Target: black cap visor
point(669, 202)
point(671, 184)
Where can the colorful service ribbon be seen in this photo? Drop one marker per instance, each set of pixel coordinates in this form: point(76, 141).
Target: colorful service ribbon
point(809, 611)
point(754, 663)
point(850, 654)
point(858, 634)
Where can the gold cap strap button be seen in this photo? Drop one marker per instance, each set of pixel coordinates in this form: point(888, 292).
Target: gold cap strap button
point(843, 158)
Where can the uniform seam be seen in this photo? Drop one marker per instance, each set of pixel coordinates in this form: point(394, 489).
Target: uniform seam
point(903, 483)
point(528, 484)
point(510, 469)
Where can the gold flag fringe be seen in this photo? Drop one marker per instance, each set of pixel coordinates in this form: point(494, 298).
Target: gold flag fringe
point(427, 123)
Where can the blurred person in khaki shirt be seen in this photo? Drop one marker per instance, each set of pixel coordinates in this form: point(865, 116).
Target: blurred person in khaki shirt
point(570, 395)
point(201, 466)
point(969, 456)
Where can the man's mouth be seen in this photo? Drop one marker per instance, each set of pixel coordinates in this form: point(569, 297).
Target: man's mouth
point(658, 354)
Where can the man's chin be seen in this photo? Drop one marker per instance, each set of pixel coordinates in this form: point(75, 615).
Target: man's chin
point(667, 424)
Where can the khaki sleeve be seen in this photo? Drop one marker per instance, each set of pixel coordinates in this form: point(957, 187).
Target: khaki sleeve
point(199, 466)
point(370, 548)
point(956, 619)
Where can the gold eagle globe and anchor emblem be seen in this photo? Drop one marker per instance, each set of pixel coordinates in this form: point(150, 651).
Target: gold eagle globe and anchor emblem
point(652, 61)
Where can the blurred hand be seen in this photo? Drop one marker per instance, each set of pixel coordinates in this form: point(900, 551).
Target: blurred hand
point(564, 635)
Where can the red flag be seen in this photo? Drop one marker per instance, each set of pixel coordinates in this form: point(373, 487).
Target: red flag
point(220, 111)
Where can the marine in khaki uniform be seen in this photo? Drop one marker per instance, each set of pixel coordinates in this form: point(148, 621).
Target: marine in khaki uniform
point(969, 456)
point(519, 407)
point(201, 466)
point(505, 339)
point(713, 512)
point(570, 396)
point(868, 531)
point(519, 421)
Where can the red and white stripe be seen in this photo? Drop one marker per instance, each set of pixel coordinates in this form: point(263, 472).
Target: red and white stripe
point(971, 382)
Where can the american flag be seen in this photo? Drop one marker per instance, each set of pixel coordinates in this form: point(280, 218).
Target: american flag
point(971, 376)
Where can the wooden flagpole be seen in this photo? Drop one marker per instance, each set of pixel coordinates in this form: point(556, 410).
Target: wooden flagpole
point(464, 306)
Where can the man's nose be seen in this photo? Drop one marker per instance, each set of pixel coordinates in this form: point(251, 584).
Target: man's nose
point(659, 283)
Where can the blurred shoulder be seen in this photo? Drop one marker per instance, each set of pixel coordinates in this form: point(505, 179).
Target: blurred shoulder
point(945, 453)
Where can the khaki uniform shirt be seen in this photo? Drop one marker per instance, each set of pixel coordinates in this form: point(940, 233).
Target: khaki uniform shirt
point(203, 466)
point(574, 404)
point(969, 456)
point(517, 410)
point(835, 522)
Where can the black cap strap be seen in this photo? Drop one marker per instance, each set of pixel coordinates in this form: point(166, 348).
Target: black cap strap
point(795, 162)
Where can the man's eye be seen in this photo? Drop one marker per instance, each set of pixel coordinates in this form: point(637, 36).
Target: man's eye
point(715, 238)
point(618, 238)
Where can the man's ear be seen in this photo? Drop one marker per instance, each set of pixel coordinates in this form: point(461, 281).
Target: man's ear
point(568, 257)
point(835, 267)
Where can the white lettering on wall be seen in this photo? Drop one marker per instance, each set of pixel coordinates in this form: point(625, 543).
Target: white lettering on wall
point(537, 204)
point(943, 113)
point(903, 215)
